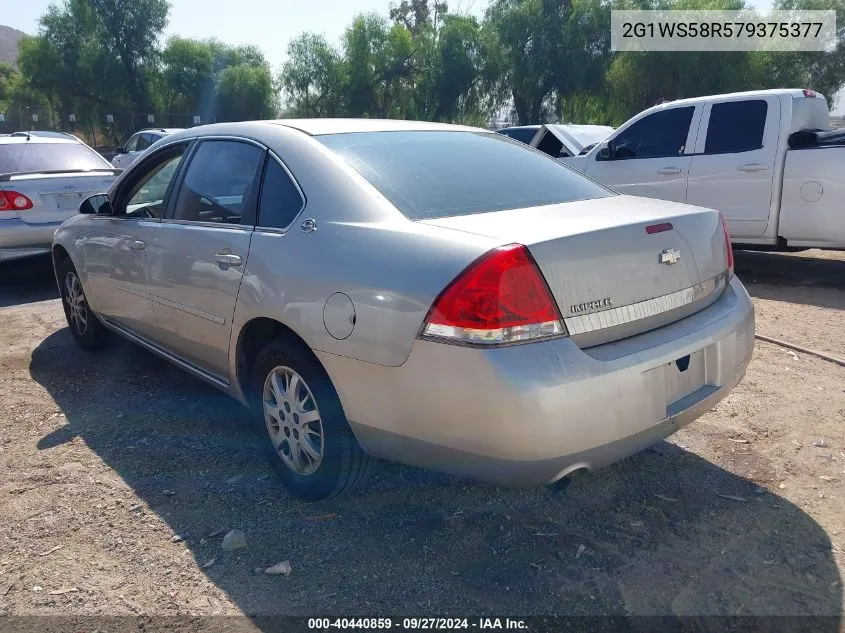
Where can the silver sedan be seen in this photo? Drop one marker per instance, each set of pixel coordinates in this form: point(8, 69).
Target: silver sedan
point(43, 178)
point(436, 295)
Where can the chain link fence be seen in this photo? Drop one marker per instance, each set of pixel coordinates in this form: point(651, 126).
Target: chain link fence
point(108, 127)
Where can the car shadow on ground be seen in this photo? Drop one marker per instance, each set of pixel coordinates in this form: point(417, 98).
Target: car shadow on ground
point(780, 269)
point(651, 535)
point(27, 280)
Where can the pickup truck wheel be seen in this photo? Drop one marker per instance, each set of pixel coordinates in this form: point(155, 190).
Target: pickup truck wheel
point(307, 438)
point(84, 325)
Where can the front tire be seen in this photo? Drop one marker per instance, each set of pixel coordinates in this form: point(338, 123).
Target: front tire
point(86, 328)
point(307, 438)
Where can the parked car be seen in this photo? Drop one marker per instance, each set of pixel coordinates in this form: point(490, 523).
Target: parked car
point(138, 144)
point(566, 141)
point(732, 152)
point(421, 292)
point(521, 133)
point(42, 182)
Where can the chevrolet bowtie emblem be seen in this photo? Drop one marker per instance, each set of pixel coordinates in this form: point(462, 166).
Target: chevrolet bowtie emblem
point(670, 256)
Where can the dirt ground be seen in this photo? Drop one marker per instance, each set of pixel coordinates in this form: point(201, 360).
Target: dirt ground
point(121, 474)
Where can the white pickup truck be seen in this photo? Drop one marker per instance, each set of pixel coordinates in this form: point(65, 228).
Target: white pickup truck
point(766, 159)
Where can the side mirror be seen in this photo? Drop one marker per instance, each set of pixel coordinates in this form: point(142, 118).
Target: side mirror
point(119, 150)
point(96, 205)
point(606, 152)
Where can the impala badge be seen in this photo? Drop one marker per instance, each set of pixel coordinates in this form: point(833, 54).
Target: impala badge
point(591, 306)
point(670, 256)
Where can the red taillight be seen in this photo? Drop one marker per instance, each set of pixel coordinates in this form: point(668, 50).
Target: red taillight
point(499, 298)
point(14, 201)
point(728, 244)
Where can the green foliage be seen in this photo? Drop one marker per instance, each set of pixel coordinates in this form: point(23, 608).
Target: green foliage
point(245, 92)
point(187, 78)
point(312, 79)
point(542, 59)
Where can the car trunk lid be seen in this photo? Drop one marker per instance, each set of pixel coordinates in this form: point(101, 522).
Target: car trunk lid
point(56, 196)
point(616, 266)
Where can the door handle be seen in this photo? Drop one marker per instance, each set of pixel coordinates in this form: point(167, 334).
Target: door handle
point(137, 245)
point(670, 171)
point(750, 168)
point(228, 259)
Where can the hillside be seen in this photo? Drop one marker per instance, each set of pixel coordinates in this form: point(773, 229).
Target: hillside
point(9, 44)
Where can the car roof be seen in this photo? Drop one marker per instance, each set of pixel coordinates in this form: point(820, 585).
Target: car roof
point(164, 130)
point(795, 93)
point(520, 127)
point(19, 140)
point(44, 133)
point(319, 127)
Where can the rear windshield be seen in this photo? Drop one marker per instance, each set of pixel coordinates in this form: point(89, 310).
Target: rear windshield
point(28, 156)
point(441, 174)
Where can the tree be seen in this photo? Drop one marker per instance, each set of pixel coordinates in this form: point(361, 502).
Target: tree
point(128, 31)
point(312, 78)
point(245, 92)
point(458, 75)
point(378, 67)
point(187, 75)
point(532, 51)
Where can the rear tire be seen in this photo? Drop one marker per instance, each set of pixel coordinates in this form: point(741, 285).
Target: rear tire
point(86, 328)
point(306, 436)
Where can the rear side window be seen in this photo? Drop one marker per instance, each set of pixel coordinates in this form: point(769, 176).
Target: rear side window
point(280, 199)
point(658, 135)
point(31, 156)
point(439, 174)
point(737, 126)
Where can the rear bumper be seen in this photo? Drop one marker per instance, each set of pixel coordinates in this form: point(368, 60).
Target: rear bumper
point(528, 415)
point(19, 239)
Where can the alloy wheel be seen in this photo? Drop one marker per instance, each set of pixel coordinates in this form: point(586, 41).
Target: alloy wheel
point(75, 300)
point(293, 420)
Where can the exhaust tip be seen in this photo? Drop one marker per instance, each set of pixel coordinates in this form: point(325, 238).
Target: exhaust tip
point(563, 480)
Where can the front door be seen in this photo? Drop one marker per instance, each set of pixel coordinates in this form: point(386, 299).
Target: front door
point(117, 252)
point(200, 249)
point(734, 163)
point(650, 157)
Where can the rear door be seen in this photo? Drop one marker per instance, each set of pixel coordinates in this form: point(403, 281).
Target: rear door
point(733, 166)
point(200, 249)
point(651, 156)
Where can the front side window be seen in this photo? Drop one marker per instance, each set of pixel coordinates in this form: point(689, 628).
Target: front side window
point(737, 126)
point(280, 199)
point(659, 135)
point(132, 143)
point(432, 174)
point(218, 182)
point(146, 198)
